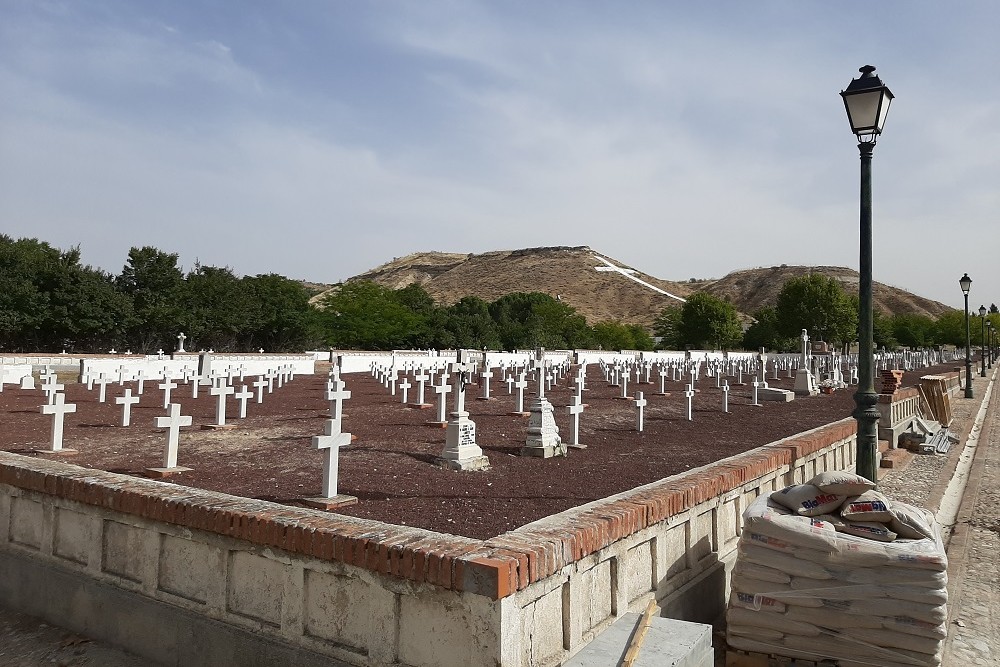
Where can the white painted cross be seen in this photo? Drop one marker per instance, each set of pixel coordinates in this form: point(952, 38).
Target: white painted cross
point(442, 390)
point(259, 385)
point(538, 365)
point(624, 379)
point(405, 386)
point(221, 392)
point(121, 374)
point(127, 401)
point(574, 409)
point(484, 377)
point(243, 396)
point(140, 379)
point(270, 375)
point(689, 393)
point(337, 399)
point(521, 384)
point(167, 385)
point(421, 379)
point(640, 403)
point(663, 379)
point(172, 422)
point(332, 440)
point(756, 386)
point(180, 342)
point(725, 396)
point(58, 409)
point(102, 383)
point(51, 387)
point(242, 371)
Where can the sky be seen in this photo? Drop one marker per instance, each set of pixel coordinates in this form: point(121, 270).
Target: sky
point(318, 139)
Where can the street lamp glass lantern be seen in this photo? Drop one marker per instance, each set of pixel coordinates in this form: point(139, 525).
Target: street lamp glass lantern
point(966, 282)
point(982, 311)
point(867, 101)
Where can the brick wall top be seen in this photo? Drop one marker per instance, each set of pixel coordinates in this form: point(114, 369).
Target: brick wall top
point(495, 568)
point(899, 395)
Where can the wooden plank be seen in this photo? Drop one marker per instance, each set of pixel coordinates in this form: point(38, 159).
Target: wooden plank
point(636, 644)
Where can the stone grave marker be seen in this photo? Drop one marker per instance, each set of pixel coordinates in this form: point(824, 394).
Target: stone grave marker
point(405, 386)
point(180, 342)
point(725, 396)
point(59, 408)
point(167, 386)
point(173, 423)
point(543, 435)
point(484, 378)
point(461, 451)
point(575, 408)
point(127, 401)
point(442, 389)
point(689, 394)
point(521, 384)
point(640, 403)
point(259, 385)
point(102, 387)
point(220, 392)
point(140, 379)
point(243, 396)
point(330, 443)
point(421, 378)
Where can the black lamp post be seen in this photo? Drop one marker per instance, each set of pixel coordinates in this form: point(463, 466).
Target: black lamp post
point(867, 102)
point(966, 282)
point(989, 343)
point(982, 341)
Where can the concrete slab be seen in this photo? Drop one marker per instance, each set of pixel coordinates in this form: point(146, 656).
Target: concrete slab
point(668, 643)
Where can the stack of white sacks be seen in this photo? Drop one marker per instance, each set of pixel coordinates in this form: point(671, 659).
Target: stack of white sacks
point(833, 569)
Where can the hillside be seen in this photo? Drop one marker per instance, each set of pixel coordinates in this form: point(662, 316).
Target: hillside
point(569, 274)
point(752, 289)
point(572, 274)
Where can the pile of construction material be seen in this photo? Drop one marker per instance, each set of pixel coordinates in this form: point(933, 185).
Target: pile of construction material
point(833, 569)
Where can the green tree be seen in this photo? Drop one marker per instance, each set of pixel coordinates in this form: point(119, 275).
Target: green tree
point(154, 284)
point(764, 333)
point(361, 314)
point(665, 328)
point(280, 317)
point(950, 328)
point(217, 307)
point(707, 320)
point(913, 330)
point(819, 304)
point(883, 332)
point(641, 340)
point(527, 320)
point(470, 326)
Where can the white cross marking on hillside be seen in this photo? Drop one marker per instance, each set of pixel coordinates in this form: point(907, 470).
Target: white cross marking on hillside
point(628, 274)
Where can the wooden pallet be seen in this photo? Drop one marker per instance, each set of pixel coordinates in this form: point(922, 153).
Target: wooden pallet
point(740, 658)
point(935, 390)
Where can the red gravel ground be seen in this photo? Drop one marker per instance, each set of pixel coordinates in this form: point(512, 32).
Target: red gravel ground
point(389, 468)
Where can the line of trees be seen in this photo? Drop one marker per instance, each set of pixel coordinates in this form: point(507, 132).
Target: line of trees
point(816, 303)
point(49, 301)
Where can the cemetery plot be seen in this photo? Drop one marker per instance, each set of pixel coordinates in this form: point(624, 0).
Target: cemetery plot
point(391, 466)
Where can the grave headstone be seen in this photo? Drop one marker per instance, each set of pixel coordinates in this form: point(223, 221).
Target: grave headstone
point(689, 394)
point(575, 409)
point(543, 435)
point(640, 403)
point(127, 401)
point(259, 385)
point(167, 386)
point(220, 392)
point(243, 396)
point(59, 408)
point(330, 443)
point(461, 451)
point(173, 423)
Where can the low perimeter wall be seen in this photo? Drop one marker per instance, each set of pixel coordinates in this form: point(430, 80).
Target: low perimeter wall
point(190, 577)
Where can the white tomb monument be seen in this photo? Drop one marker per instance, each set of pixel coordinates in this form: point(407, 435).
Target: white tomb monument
point(461, 452)
point(543, 435)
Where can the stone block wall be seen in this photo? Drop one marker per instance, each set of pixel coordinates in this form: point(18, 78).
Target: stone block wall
point(162, 569)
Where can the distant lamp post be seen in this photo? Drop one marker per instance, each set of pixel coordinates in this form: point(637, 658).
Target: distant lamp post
point(867, 102)
point(966, 283)
point(989, 343)
point(982, 341)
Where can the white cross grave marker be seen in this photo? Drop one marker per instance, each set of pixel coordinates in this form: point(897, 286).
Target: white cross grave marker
point(259, 385)
point(442, 390)
point(173, 423)
point(689, 393)
point(405, 386)
point(167, 385)
point(221, 392)
point(102, 383)
point(725, 396)
point(58, 409)
point(574, 409)
point(640, 403)
point(127, 401)
point(243, 396)
point(331, 441)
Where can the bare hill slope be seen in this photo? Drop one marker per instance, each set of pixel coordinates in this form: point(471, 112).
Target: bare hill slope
point(582, 278)
point(752, 289)
point(570, 274)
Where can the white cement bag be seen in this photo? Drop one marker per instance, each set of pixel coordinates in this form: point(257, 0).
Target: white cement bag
point(781, 592)
point(911, 522)
point(831, 589)
point(843, 648)
point(869, 506)
point(761, 572)
point(869, 529)
point(762, 634)
point(841, 483)
point(891, 576)
point(756, 602)
point(887, 607)
point(830, 618)
point(765, 517)
point(782, 561)
point(890, 639)
point(932, 596)
point(778, 622)
point(851, 552)
point(807, 500)
point(914, 627)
